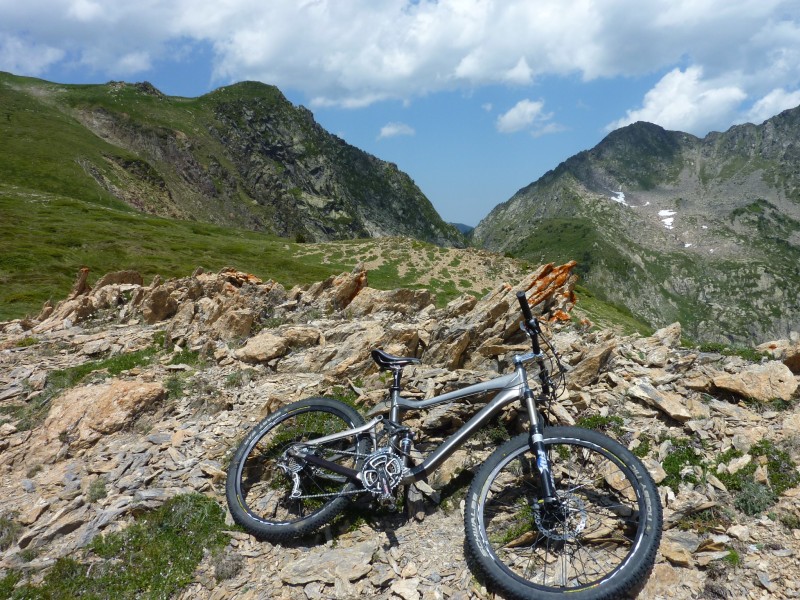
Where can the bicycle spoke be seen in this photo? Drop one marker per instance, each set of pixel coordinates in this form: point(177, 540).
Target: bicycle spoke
point(589, 532)
point(273, 487)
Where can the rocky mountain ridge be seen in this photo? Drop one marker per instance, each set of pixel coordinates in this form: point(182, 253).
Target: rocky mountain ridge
point(217, 351)
point(674, 227)
point(242, 155)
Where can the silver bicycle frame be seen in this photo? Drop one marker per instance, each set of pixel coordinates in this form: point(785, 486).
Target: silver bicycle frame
point(509, 388)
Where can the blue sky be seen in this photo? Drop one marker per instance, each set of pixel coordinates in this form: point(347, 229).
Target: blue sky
point(474, 99)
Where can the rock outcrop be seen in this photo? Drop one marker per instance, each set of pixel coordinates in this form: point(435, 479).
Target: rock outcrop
point(218, 351)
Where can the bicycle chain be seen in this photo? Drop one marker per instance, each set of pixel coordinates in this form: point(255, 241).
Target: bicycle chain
point(342, 493)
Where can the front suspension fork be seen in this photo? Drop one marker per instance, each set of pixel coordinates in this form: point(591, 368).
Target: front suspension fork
point(536, 443)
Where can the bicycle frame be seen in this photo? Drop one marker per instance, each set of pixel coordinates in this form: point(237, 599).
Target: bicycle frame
point(509, 388)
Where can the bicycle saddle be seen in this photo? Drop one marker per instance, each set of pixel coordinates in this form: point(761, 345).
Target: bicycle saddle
point(389, 361)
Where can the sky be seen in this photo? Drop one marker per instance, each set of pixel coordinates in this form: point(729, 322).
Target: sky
point(474, 99)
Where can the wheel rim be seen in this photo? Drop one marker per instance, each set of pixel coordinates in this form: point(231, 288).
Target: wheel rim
point(588, 539)
point(265, 476)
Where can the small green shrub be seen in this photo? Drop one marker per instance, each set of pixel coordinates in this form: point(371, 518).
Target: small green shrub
point(733, 558)
point(34, 412)
point(707, 520)
point(153, 558)
point(7, 583)
point(28, 554)
point(734, 481)
point(753, 498)
point(789, 520)
point(175, 386)
point(9, 530)
point(33, 471)
point(160, 339)
point(494, 432)
point(682, 454)
point(27, 342)
point(781, 469)
point(609, 425)
point(239, 378)
point(270, 323)
point(776, 404)
point(187, 357)
point(750, 354)
point(346, 395)
point(643, 449)
point(97, 490)
point(227, 565)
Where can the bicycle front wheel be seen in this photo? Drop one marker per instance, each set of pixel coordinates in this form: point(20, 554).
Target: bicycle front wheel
point(599, 541)
point(278, 497)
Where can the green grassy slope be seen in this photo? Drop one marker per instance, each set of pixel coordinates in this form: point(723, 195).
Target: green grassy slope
point(43, 148)
point(55, 218)
point(45, 239)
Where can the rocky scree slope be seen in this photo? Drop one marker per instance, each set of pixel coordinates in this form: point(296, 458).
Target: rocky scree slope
point(719, 433)
point(676, 228)
point(241, 155)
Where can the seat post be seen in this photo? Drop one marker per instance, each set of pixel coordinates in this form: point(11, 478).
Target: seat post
point(394, 393)
point(397, 373)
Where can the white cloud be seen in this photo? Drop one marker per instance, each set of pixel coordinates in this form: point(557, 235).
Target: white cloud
point(85, 10)
point(684, 100)
point(395, 129)
point(520, 74)
point(547, 129)
point(354, 53)
point(525, 114)
point(18, 55)
point(135, 62)
point(770, 105)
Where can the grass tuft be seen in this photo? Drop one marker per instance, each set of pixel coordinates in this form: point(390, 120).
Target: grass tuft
point(153, 558)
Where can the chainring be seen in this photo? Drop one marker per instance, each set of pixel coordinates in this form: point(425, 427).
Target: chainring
point(382, 473)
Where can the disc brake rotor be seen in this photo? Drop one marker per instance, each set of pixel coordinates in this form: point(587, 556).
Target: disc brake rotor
point(565, 521)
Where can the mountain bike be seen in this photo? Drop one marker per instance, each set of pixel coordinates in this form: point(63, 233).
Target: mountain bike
point(554, 511)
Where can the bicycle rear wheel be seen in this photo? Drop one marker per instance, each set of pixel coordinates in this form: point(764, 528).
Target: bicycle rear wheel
point(599, 542)
point(262, 477)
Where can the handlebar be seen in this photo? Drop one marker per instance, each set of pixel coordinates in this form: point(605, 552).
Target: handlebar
point(531, 324)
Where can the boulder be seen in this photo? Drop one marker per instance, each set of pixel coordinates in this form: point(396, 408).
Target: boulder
point(588, 369)
point(337, 291)
point(763, 382)
point(158, 305)
point(263, 347)
point(786, 351)
point(82, 415)
point(667, 402)
point(403, 301)
point(345, 563)
point(234, 324)
point(119, 278)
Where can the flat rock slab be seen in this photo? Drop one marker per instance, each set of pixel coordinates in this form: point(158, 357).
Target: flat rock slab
point(769, 381)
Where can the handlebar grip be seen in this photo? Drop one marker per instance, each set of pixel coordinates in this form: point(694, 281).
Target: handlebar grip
point(526, 308)
point(531, 324)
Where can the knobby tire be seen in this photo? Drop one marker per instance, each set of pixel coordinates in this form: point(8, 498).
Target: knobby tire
point(258, 490)
point(601, 541)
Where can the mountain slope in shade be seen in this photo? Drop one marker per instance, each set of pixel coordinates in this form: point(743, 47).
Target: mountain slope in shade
point(241, 155)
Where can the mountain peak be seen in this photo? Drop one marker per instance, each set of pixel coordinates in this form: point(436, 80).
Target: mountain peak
point(673, 226)
point(242, 156)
